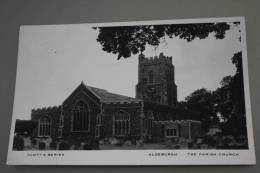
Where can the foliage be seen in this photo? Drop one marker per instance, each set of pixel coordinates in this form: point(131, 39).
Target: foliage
point(128, 40)
point(18, 143)
point(231, 103)
point(64, 146)
point(202, 101)
point(227, 100)
point(42, 146)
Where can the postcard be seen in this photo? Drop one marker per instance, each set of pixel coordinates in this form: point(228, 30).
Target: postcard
point(166, 92)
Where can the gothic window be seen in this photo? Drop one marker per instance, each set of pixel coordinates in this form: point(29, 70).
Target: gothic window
point(121, 124)
point(149, 122)
point(150, 76)
point(44, 127)
point(99, 120)
point(171, 132)
point(81, 117)
point(60, 133)
point(61, 121)
point(97, 131)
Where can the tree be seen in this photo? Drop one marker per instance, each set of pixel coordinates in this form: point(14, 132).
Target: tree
point(227, 100)
point(230, 101)
point(130, 40)
point(223, 101)
point(237, 85)
point(202, 101)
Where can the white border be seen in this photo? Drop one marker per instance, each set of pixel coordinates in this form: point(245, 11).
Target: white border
point(141, 157)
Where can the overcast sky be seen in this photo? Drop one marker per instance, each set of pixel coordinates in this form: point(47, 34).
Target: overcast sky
point(53, 60)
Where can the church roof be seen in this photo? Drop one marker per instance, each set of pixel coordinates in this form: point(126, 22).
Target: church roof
point(108, 97)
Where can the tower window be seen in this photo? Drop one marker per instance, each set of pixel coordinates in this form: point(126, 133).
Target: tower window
point(151, 76)
point(81, 116)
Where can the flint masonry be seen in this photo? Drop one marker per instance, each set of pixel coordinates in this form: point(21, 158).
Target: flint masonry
point(90, 112)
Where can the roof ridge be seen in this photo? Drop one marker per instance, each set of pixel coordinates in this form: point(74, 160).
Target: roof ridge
point(107, 96)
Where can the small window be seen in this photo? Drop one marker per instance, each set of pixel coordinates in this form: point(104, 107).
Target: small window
point(171, 132)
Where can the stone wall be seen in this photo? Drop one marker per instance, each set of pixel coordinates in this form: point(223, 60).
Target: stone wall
point(157, 72)
point(134, 109)
point(53, 113)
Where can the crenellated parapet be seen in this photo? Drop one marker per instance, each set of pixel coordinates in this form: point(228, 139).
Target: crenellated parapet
point(155, 60)
point(46, 109)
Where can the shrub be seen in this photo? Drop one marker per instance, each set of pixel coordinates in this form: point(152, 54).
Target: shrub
point(94, 145)
point(18, 143)
point(86, 147)
point(64, 146)
point(33, 141)
point(53, 145)
point(42, 146)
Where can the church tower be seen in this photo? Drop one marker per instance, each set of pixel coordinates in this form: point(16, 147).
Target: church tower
point(156, 81)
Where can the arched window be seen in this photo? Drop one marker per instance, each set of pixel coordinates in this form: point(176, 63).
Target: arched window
point(44, 127)
point(81, 117)
point(121, 124)
point(61, 121)
point(150, 76)
point(149, 122)
point(99, 119)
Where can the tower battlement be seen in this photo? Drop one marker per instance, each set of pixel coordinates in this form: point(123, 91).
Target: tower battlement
point(155, 60)
point(156, 82)
point(46, 109)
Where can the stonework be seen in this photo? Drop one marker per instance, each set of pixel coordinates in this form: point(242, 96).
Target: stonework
point(91, 113)
point(156, 81)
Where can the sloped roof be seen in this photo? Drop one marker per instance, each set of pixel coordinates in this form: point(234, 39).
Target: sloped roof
point(108, 97)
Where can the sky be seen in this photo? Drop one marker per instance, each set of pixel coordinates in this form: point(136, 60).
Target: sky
point(54, 59)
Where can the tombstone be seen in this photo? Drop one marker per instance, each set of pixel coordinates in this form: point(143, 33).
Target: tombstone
point(48, 141)
point(94, 144)
point(101, 142)
point(77, 145)
point(168, 144)
point(86, 146)
point(128, 143)
point(204, 146)
point(139, 143)
point(184, 145)
point(27, 142)
point(113, 141)
point(53, 145)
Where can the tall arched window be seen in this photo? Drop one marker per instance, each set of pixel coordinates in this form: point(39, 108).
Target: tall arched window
point(149, 122)
point(121, 124)
point(150, 76)
point(81, 117)
point(45, 127)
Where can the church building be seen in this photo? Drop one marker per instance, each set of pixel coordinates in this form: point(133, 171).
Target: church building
point(152, 116)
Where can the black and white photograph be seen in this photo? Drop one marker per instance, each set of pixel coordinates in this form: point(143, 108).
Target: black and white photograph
point(176, 88)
